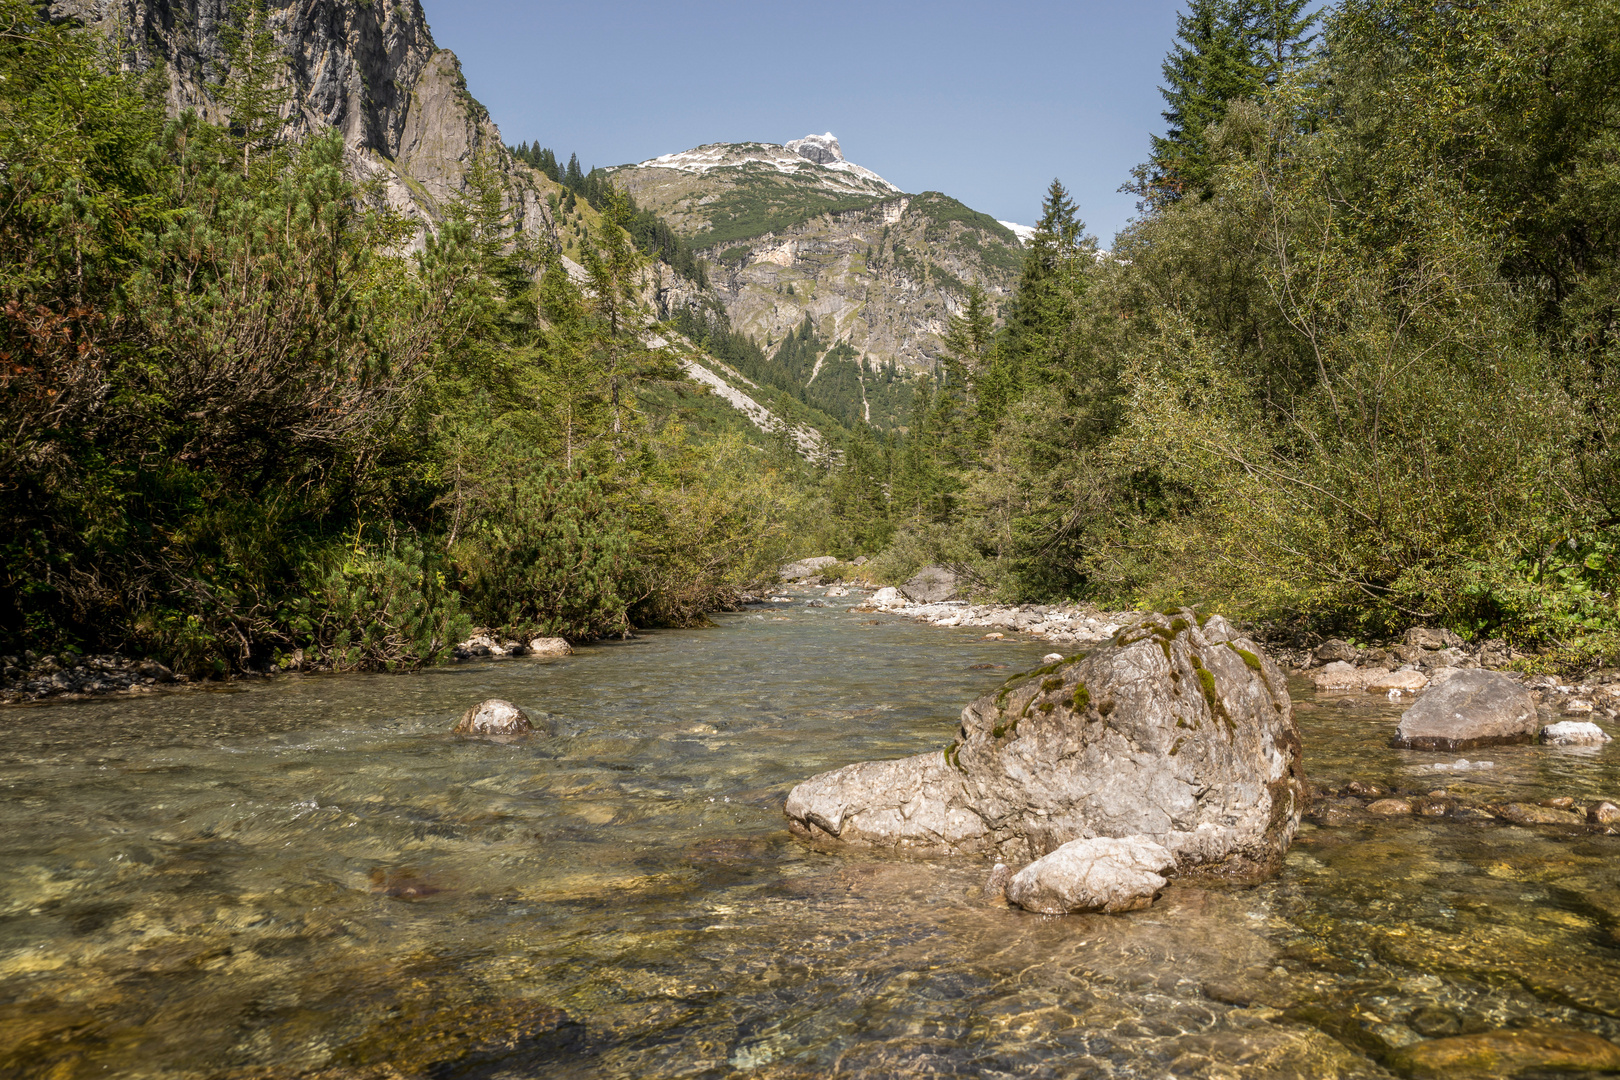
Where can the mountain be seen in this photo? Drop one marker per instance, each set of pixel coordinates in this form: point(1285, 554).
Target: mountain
point(369, 69)
point(796, 231)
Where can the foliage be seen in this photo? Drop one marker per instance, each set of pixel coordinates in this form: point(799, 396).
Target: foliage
point(240, 424)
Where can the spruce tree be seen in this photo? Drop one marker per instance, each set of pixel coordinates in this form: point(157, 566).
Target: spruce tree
point(1277, 39)
point(1043, 305)
point(251, 91)
point(1211, 64)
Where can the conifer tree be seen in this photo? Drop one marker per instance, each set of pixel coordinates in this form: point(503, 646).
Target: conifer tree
point(1043, 305)
point(1277, 39)
point(1211, 64)
point(251, 91)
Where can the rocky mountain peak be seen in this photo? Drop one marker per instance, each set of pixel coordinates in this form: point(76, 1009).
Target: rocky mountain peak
point(821, 149)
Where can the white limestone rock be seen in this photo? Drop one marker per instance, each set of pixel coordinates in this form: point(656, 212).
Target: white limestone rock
point(1573, 733)
point(1095, 874)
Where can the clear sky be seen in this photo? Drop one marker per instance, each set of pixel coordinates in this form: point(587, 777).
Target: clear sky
point(986, 102)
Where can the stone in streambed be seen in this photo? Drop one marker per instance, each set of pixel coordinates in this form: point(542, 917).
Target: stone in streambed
point(1175, 733)
point(494, 717)
point(1098, 874)
point(1406, 680)
point(1470, 709)
point(1508, 1053)
point(1603, 813)
point(888, 597)
point(1573, 733)
point(550, 646)
point(1336, 649)
point(1338, 676)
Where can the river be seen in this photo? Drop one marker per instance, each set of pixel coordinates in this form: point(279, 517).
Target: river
point(312, 875)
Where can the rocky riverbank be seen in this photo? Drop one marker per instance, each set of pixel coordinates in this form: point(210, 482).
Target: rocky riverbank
point(69, 676)
point(1345, 674)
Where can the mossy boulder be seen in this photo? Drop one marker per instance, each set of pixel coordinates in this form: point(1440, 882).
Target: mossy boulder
point(1176, 733)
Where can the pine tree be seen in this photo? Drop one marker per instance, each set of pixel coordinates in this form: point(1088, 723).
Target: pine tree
point(1054, 267)
point(1276, 33)
point(252, 92)
point(1211, 64)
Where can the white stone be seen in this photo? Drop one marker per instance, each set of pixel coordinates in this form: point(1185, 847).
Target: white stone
point(550, 646)
point(1406, 681)
point(1097, 874)
point(888, 597)
point(1573, 733)
point(1337, 676)
point(1050, 657)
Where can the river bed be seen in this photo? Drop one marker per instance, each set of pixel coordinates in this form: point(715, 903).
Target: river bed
point(313, 876)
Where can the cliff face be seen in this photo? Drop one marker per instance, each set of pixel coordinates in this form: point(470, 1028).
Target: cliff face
point(369, 68)
point(797, 230)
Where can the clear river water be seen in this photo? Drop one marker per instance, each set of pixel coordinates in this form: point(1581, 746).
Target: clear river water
point(310, 875)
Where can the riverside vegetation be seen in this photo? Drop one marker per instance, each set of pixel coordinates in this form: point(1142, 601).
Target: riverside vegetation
point(1352, 367)
point(240, 422)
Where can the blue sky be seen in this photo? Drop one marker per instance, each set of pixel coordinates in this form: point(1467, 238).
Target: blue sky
point(985, 102)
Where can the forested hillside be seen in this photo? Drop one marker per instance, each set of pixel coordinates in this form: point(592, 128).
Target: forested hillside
point(1354, 364)
point(244, 421)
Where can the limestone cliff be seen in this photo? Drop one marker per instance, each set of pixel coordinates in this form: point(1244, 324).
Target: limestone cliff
point(796, 230)
point(369, 68)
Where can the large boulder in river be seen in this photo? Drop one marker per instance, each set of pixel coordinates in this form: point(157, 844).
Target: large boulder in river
point(1175, 733)
point(930, 585)
point(494, 717)
point(1467, 710)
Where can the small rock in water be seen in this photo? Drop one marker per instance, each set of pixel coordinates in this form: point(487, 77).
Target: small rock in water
point(1390, 807)
point(1051, 657)
point(1338, 676)
point(1406, 680)
point(1509, 1053)
point(1573, 733)
point(1603, 813)
point(1528, 814)
point(1472, 708)
point(1099, 874)
point(550, 646)
point(995, 887)
point(494, 717)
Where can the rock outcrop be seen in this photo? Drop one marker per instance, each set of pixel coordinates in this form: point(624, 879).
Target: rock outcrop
point(1178, 733)
point(370, 70)
point(1469, 709)
point(805, 568)
point(931, 585)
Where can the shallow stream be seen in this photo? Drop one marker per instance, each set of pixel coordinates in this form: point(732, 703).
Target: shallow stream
point(311, 875)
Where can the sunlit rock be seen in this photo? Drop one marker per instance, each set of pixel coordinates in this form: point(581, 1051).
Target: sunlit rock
point(1099, 874)
point(550, 646)
point(1469, 709)
point(494, 717)
point(1176, 733)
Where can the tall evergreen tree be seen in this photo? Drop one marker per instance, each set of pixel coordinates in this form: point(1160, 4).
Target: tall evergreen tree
point(251, 90)
point(1211, 64)
point(1277, 38)
point(1059, 254)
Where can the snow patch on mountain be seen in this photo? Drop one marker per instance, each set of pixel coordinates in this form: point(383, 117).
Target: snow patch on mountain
point(818, 156)
point(1025, 233)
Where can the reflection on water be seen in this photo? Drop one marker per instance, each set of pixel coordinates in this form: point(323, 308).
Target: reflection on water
point(312, 875)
